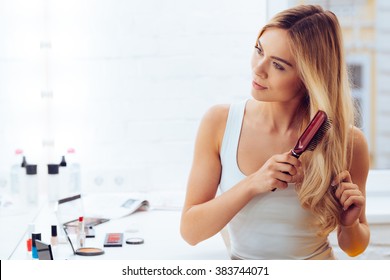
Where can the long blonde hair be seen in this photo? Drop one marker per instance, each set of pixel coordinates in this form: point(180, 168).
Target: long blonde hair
point(316, 44)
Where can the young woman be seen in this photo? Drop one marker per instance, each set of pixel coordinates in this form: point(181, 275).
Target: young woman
point(244, 149)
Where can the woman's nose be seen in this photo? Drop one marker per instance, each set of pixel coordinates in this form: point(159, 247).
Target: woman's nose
point(260, 69)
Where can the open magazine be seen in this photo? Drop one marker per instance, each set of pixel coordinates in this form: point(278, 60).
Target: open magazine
point(113, 205)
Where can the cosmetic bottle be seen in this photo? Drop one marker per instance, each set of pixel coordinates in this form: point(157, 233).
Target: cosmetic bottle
point(54, 238)
point(30, 230)
point(31, 183)
point(63, 178)
point(63, 162)
point(17, 171)
point(74, 171)
point(24, 162)
point(81, 233)
point(35, 236)
point(53, 182)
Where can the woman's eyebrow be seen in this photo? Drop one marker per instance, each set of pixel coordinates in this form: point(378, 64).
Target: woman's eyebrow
point(276, 57)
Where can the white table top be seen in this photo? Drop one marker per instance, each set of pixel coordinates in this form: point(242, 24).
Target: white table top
point(158, 228)
point(14, 226)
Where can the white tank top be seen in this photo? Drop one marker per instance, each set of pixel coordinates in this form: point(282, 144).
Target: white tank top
point(271, 225)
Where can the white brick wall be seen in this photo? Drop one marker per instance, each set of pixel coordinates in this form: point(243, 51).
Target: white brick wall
point(130, 81)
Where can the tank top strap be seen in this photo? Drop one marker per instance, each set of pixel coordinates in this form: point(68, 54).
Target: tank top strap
point(233, 129)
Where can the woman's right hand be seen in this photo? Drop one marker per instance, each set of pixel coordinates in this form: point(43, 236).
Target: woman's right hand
point(276, 173)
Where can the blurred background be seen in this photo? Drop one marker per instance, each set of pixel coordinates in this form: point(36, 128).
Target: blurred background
point(121, 85)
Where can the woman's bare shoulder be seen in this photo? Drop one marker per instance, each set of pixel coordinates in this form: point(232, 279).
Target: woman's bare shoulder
point(217, 113)
point(215, 118)
point(360, 144)
point(213, 124)
point(360, 160)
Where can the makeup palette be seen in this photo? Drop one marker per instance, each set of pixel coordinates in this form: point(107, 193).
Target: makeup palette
point(84, 251)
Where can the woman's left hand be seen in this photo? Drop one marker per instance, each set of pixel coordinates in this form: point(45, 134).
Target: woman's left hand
point(350, 197)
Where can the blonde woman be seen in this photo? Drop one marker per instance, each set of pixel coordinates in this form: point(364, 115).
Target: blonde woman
point(243, 150)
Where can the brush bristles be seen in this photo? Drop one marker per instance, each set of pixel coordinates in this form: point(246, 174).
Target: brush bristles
point(319, 135)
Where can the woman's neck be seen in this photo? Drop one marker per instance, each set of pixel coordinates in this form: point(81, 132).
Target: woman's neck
point(278, 117)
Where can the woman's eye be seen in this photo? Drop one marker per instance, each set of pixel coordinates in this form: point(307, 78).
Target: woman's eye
point(278, 66)
point(259, 50)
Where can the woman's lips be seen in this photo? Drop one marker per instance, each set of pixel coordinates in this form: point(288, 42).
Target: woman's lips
point(257, 86)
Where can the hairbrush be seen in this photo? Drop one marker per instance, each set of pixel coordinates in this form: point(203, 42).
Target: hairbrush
point(313, 134)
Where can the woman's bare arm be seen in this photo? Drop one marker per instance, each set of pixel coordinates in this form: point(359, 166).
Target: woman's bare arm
point(353, 232)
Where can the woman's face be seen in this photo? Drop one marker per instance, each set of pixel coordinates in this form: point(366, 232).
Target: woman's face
point(275, 74)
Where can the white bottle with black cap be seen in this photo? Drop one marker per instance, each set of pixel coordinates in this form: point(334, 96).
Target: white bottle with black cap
point(64, 178)
point(53, 182)
point(31, 185)
point(54, 238)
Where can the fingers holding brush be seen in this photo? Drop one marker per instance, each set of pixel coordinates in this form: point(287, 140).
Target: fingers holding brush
point(277, 172)
point(291, 168)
